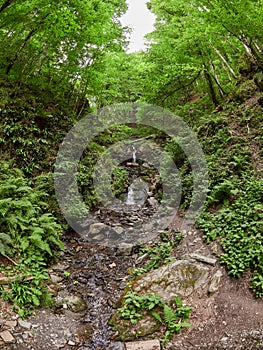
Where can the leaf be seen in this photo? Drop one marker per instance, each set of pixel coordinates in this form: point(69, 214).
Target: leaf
point(157, 316)
point(178, 301)
point(169, 315)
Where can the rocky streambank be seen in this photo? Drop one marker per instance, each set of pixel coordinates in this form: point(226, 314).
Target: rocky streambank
point(90, 281)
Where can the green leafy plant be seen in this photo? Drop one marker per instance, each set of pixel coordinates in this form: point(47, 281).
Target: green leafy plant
point(173, 319)
point(134, 303)
point(29, 237)
point(159, 254)
point(238, 226)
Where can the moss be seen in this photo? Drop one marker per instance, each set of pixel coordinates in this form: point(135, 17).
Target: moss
point(126, 331)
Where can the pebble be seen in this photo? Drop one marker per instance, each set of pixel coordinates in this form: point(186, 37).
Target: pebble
point(71, 343)
point(24, 324)
point(55, 279)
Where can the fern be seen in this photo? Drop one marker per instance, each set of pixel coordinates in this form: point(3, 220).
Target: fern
point(33, 234)
point(169, 315)
point(157, 317)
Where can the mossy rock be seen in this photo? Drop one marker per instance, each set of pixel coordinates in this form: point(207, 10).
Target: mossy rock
point(147, 326)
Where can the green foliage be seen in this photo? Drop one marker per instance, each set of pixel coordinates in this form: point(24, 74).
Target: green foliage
point(197, 48)
point(60, 44)
point(28, 234)
point(5, 240)
point(134, 303)
point(238, 225)
point(159, 254)
point(172, 318)
point(119, 180)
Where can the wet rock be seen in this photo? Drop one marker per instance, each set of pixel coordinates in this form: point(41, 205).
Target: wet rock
point(215, 282)
point(203, 258)
point(75, 303)
point(180, 277)
point(7, 337)
point(144, 345)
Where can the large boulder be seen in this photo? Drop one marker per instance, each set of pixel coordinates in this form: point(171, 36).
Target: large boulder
point(180, 277)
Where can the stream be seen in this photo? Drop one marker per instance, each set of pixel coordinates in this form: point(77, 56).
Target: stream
point(97, 273)
point(101, 276)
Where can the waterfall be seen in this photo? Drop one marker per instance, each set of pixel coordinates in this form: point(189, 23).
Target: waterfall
point(133, 154)
point(137, 192)
point(130, 197)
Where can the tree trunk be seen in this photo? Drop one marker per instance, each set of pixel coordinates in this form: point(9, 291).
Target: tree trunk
point(211, 89)
point(220, 89)
point(224, 60)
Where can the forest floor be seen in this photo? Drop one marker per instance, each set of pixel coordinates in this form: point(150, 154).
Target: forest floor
point(231, 318)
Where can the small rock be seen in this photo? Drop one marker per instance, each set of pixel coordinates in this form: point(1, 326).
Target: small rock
point(75, 303)
point(153, 202)
point(144, 345)
point(25, 336)
point(111, 266)
point(24, 324)
point(97, 228)
point(215, 282)
point(60, 267)
point(224, 339)
point(116, 346)
point(204, 259)
point(7, 337)
point(124, 248)
point(11, 324)
point(118, 229)
point(55, 278)
point(71, 343)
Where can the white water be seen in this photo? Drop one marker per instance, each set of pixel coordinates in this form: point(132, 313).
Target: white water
point(137, 192)
point(130, 197)
point(133, 154)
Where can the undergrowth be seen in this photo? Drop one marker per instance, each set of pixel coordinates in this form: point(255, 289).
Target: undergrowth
point(29, 238)
point(173, 318)
point(159, 253)
point(238, 226)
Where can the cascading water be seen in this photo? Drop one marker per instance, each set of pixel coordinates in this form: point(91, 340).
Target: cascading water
point(130, 197)
point(137, 192)
point(133, 154)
